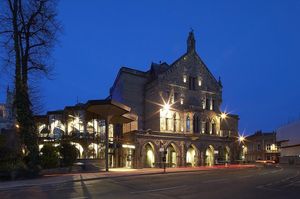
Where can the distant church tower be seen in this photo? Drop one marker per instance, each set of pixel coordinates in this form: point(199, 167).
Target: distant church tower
point(7, 118)
point(9, 104)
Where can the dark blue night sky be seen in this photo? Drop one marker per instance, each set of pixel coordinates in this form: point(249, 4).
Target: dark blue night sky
point(252, 45)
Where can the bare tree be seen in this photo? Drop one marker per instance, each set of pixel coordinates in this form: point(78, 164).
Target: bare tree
point(28, 33)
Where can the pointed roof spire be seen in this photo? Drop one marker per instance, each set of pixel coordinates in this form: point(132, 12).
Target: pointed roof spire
point(191, 42)
point(220, 82)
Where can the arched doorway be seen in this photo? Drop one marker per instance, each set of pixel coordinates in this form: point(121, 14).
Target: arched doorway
point(149, 156)
point(209, 156)
point(79, 149)
point(171, 157)
point(191, 159)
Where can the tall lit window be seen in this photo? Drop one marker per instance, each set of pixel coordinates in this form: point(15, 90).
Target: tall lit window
point(203, 127)
point(166, 120)
point(176, 122)
point(188, 123)
point(203, 102)
point(199, 81)
point(184, 78)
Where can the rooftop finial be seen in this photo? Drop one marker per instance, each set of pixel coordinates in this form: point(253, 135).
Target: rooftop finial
point(220, 82)
point(191, 42)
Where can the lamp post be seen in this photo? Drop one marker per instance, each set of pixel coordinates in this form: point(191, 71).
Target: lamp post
point(163, 154)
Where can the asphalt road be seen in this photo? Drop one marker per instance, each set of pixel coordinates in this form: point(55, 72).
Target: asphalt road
point(256, 183)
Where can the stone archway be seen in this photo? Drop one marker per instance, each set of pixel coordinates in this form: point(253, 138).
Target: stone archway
point(172, 156)
point(149, 156)
point(209, 156)
point(192, 155)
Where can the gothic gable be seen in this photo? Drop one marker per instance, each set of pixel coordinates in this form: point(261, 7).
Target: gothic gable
point(188, 66)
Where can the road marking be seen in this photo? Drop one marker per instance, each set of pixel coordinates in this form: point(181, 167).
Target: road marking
point(216, 180)
point(154, 190)
point(247, 176)
point(286, 182)
point(265, 188)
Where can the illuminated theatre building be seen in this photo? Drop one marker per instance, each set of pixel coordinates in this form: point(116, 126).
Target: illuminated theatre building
point(169, 110)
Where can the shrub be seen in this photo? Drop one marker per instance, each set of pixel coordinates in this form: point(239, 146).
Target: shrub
point(11, 165)
point(188, 164)
point(68, 153)
point(49, 157)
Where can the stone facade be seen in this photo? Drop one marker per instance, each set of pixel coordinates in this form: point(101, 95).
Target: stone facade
point(288, 139)
point(261, 146)
point(178, 109)
point(174, 116)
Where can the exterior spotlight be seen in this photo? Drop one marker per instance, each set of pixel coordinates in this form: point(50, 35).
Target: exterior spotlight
point(167, 107)
point(223, 115)
point(241, 138)
point(17, 126)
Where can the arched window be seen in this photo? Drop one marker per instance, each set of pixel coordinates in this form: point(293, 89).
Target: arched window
point(188, 123)
point(196, 123)
point(207, 127)
point(213, 128)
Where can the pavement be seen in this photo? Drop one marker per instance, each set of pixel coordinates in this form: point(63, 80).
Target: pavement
point(113, 173)
point(271, 181)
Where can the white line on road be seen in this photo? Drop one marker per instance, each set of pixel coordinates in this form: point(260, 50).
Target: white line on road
point(216, 180)
point(247, 176)
point(154, 190)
